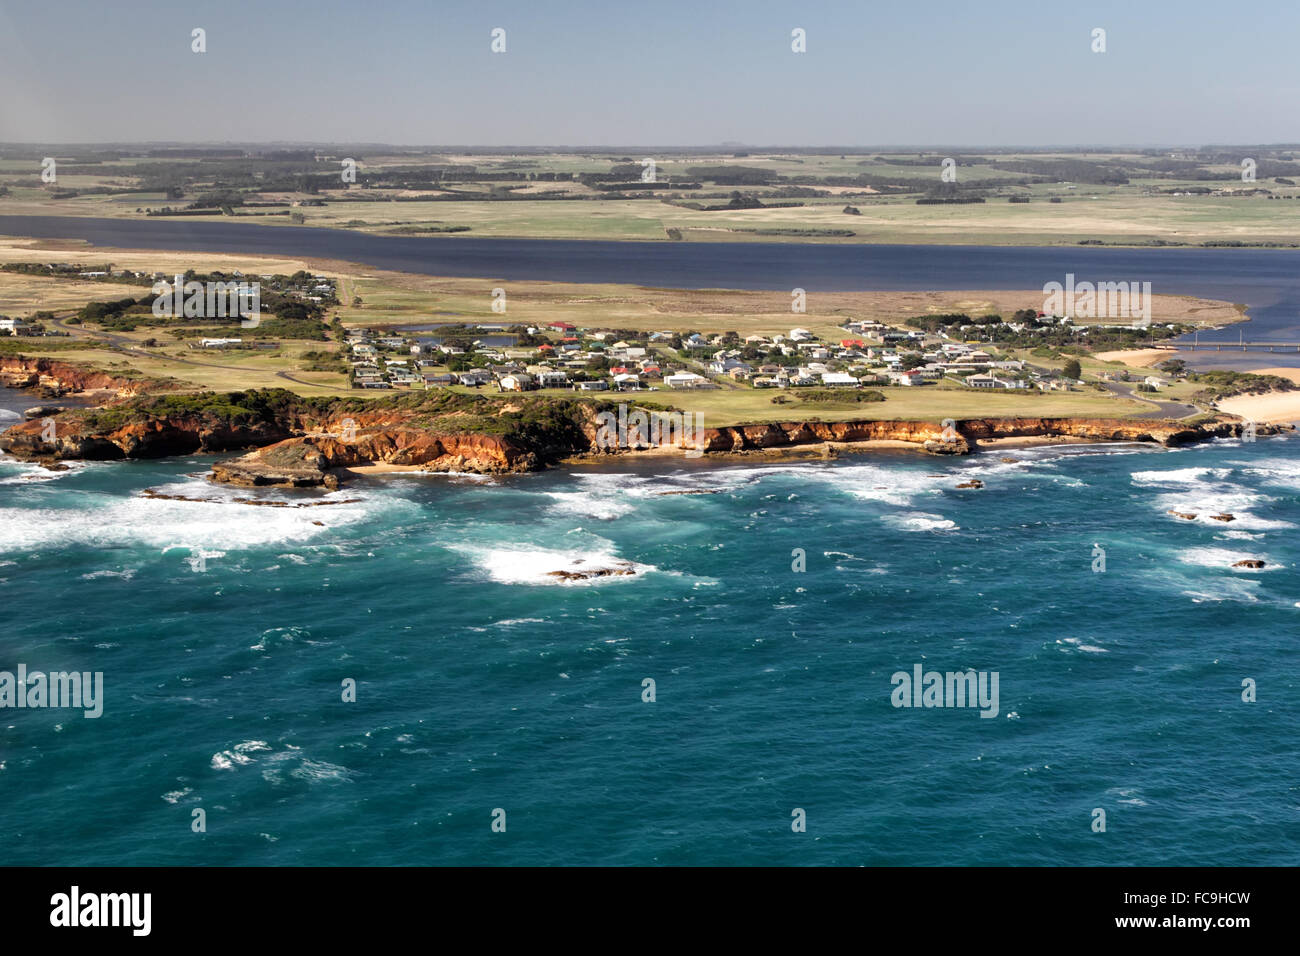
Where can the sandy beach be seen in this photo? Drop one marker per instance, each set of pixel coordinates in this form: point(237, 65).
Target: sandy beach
point(1140, 358)
point(1271, 406)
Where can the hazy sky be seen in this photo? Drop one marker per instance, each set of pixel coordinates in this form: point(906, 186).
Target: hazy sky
point(670, 72)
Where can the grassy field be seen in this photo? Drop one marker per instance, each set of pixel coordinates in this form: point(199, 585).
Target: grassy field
point(1140, 211)
point(1114, 215)
point(929, 402)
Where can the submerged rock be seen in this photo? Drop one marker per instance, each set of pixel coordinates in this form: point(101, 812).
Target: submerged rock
point(973, 483)
point(591, 573)
point(1182, 514)
point(1224, 517)
point(1254, 563)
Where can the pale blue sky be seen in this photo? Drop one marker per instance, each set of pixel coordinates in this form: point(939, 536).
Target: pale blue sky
point(579, 72)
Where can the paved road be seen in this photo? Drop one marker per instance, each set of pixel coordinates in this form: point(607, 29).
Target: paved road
point(1161, 410)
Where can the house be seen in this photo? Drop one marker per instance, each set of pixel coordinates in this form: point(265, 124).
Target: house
point(15, 326)
point(800, 335)
point(518, 382)
point(564, 327)
point(839, 379)
point(684, 380)
point(441, 379)
point(476, 376)
point(911, 377)
point(219, 343)
point(1154, 382)
point(992, 381)
point(552, 378)
point(627, 382)
point(598, 385)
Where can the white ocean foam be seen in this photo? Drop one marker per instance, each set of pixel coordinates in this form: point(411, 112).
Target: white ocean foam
point(162, 524)
point(1273, 472)
point(279, 635)
point(894, 486)
point(919, 521)
point(1179, 476)
point(533, 566)
point(1205, 506)
point(275, 764)
point(1223, 591)
point(14, 472)
point(125, 575)
point(1205, 492)
point(606, 507)
point(315, 771)
point(1076, 644)
point(1221, 558)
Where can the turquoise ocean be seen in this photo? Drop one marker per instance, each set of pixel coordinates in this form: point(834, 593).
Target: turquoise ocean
point(225, 632)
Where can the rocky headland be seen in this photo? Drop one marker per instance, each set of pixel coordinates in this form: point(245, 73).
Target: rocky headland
point(291, 441)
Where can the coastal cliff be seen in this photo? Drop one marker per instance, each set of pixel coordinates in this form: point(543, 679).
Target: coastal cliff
point(53, 378)
point(300, 442)
point(970, 431)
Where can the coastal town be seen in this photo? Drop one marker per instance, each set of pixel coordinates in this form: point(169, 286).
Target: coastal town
point(563, 356)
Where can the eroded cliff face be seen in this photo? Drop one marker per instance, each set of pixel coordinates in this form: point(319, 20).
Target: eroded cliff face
point(75, 438)
point(935, 439)
point(300, 442)
point(309, 460)
point(928, 435)
point(54, 377)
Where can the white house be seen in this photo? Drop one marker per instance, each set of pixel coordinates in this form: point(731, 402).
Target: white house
point(518, 382)
point(684, 380)
point(839, 378)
